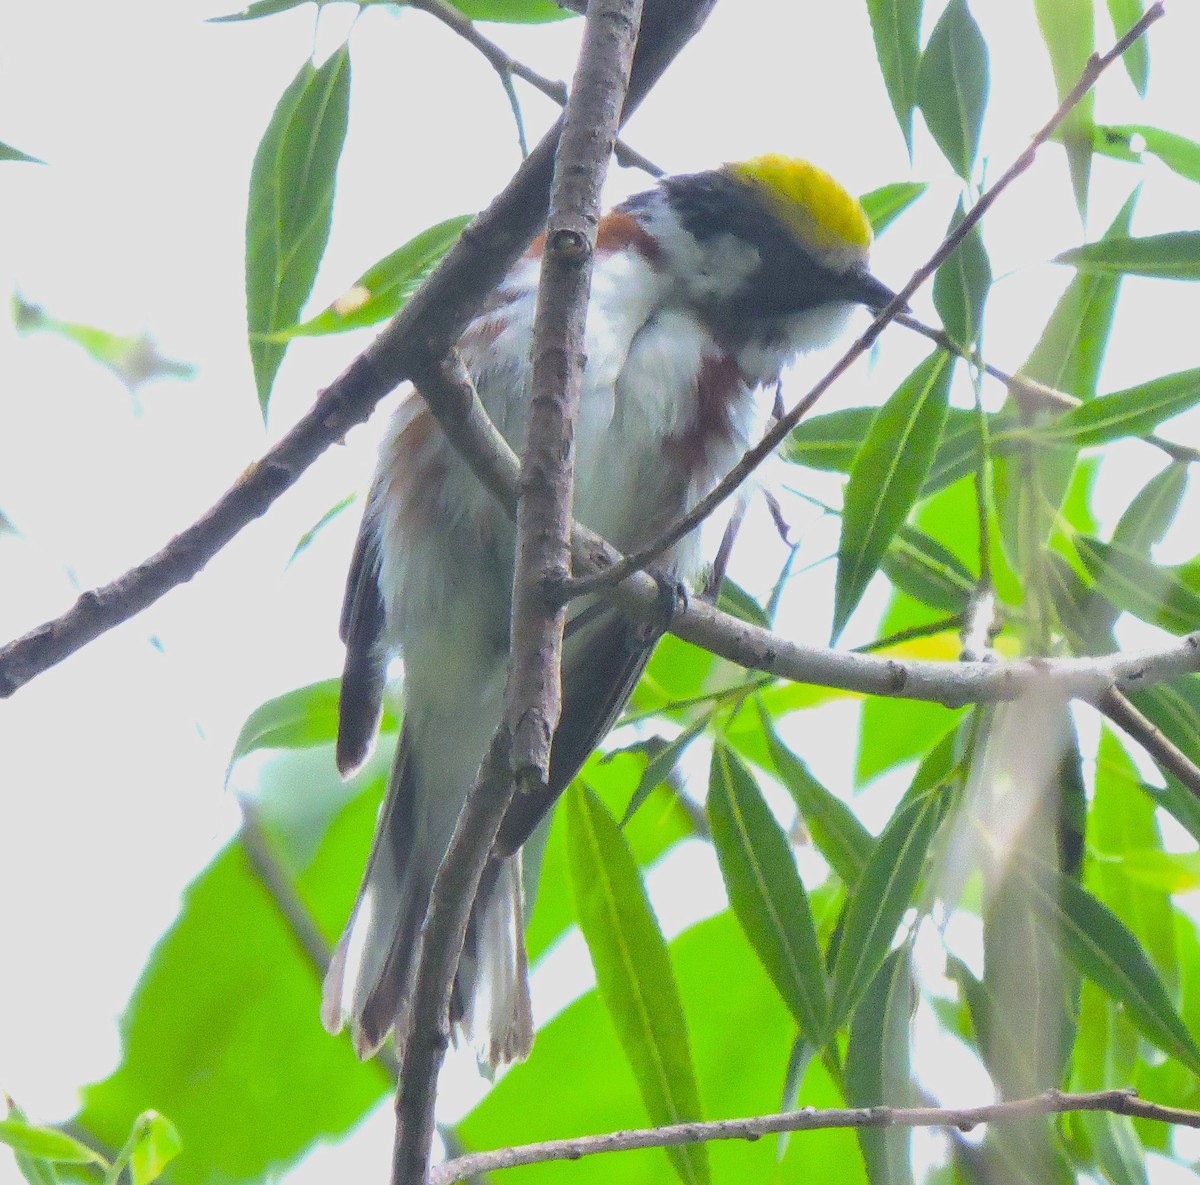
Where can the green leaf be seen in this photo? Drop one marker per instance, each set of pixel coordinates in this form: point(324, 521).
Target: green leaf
point(291, 206)
point(382, 290)
point(1137, 411)
point(1166, 597)
point(224, 1026)
point(663, 758)
point(1129, 141)
point(1149, 516)
point(836, 831)
point(1125, 14)
point(633, 971)
point(152, 1145)
point(830, 442)
point(961, 285)
point(1069, 31)
point(1103, 949)
point(1071, 349)
point(952, 86)
point(1171, 256)
point(297, 719)
point(46, 1143)
point(885, 204)
point(896, 25)
point(259, 8)
point(736, 601)
point(522, 12)
point(133, 359)
point(766, 892)
point(881, 897)
point(878, 1069)
point(305, 540)
point(887, 476)
point(8, 152)
point(920, 566)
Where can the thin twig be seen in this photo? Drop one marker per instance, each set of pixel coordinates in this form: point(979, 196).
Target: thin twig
point(1123, 713)
point(776, 435)
point(1053, 1102)
point(507, 66)
point(520, 749)
point(418, 337)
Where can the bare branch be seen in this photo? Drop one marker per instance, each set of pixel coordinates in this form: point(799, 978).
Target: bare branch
point(1053, 1102)
point(419, 336)
point(505, 65)
point(778, 433)
point(1122, 712)
point(521, 746)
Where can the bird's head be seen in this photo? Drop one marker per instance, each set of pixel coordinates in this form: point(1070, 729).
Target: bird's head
point(763, 238)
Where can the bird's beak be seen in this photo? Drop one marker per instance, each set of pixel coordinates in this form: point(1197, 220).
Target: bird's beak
point(865, 289)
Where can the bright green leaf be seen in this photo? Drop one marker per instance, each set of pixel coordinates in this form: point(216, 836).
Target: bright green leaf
point(46, 1143)
point(920, 566)
point(1068, 355)
point(1149, 516)
point(1166, 597)
point(1125, 14)
point(1137, 411)
point(1069, 31)
point(766, 892)
point(152, 1145)
point(883, 894)
point(291, 205)
point(633, 971)
point(877, 1065)
point(1171, 256)
point(952, 86)
point(305, 541)
point(885, 204)
point(830, 442)
point(664, 757)
point(1103, 949)
point(961, 284)
point(382, 290)
point(1130, 141)
point(887, 476)
point(896, 25)
point(836, 831)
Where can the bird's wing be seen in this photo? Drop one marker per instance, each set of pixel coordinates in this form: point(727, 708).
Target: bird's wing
point(365, 672)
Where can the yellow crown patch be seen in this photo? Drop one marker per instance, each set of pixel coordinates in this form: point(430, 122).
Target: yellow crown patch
point(806, 199)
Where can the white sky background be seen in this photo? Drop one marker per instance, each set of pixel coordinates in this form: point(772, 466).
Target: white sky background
point(111, 765)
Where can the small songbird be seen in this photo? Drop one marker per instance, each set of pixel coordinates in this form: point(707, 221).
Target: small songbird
point(703, 289)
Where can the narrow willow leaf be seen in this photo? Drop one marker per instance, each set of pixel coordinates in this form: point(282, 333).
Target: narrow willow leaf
point(291, 205)
point(887, 476)
point(881, 897)
point(835, 829)
point(1137, 411)
point(382, 290)
point(306, 540)
point(958, 452)
point(253, 12)
point(878, 1066)
point(737, 602)
point(153, 1143)
point(1150, 515)
point(664, 757)
point(1125, 14)
point(633, 972)
point(921, 567)
point(896, 26)
point(952, 86)
point(1069, 353)
point(1103, 949)
point(961, 285)
point(830, 442)
point(1130, 141)
point(1069, 32)
point(46, 1143)
point(766, 893)
point(8, 152)
point(1166, 597)
point(884, 205)
point(1171, 256)
point(513, 12)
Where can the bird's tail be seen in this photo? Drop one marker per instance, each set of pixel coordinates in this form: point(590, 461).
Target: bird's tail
point(371, 975)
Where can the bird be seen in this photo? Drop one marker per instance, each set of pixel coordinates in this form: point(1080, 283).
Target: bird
point(703, 289)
